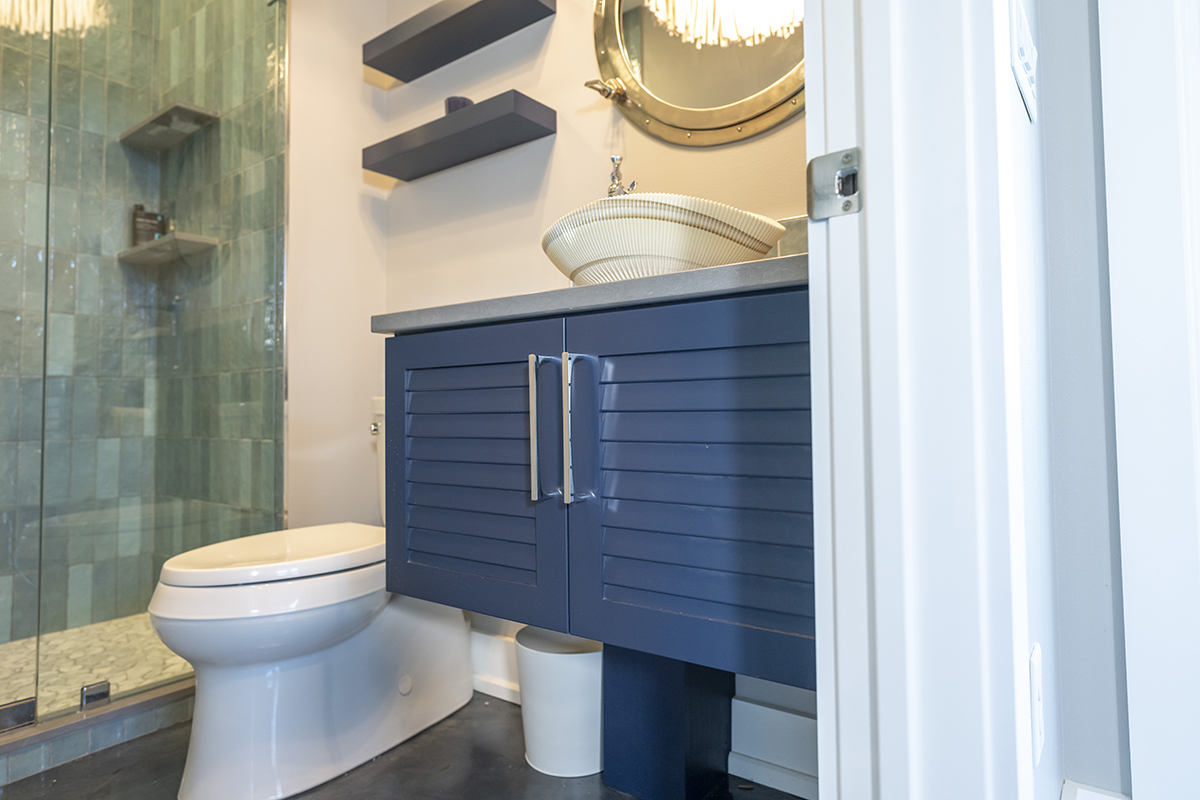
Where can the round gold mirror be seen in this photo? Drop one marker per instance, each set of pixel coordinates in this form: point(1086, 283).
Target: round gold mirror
point(701, 72)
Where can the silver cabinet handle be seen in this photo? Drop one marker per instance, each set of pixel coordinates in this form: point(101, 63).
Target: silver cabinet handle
point(534, 494)
point(568, 362)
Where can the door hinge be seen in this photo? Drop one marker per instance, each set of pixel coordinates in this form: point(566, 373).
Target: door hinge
point(834, 184)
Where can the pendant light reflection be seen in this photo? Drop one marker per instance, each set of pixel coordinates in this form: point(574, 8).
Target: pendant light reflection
point(726, 22)
point(33, 17)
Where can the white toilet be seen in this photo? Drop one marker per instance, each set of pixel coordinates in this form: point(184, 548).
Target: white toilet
point(305, 666)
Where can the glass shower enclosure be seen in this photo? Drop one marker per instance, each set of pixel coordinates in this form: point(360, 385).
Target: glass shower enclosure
point(141, 388)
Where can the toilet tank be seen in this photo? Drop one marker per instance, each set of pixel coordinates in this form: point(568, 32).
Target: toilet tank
point(378, 410)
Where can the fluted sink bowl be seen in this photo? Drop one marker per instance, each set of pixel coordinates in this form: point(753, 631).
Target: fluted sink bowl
point(637, 235)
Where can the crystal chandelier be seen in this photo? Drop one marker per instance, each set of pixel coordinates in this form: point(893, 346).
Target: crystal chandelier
point(725, 22)
point(33, 17)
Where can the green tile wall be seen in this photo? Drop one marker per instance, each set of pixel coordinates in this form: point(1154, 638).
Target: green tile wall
point(162, 386)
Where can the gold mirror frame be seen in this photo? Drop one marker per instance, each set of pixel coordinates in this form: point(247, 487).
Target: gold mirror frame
point(699, 127)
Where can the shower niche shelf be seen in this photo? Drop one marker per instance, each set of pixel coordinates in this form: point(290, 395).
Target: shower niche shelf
point(448, 31)
point(168, 127)
point(495, 124)
point(167, 249)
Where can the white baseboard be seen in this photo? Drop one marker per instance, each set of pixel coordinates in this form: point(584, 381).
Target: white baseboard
point(774, 746)
point(773, 775)
point(494, 662)
point(1077, 791)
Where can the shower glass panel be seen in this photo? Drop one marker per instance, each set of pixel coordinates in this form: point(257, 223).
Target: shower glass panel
point(161, 379)
point(24, 194)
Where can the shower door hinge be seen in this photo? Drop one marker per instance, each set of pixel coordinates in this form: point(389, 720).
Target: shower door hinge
point(94, 694)
point(18, 714)
point(834, 184)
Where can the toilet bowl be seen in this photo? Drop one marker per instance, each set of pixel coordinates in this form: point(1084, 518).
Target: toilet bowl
point(305, 665)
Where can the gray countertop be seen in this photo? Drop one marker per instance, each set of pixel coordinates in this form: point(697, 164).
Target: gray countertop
point(752, 276)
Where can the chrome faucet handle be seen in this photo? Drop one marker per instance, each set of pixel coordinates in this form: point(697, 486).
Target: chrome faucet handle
point(615, 189)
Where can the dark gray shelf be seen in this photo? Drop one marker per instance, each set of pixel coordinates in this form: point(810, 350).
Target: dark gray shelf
point(168, 127)
point(168, 248)
point(496, 124)
point(448, 31)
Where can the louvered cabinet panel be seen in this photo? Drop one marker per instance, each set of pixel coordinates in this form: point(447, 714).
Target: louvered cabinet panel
point(691, 445)
point(463, 529)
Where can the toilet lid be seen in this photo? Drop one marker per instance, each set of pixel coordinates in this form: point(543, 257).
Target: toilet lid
point(277, 556)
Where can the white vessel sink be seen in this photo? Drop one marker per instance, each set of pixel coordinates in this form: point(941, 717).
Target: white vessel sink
point(637, 235)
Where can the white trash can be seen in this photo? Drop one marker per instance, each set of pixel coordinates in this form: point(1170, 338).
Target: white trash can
point(560, 702)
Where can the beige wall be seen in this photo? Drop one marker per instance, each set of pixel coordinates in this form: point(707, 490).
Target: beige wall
point(336, 251)
point(474, 231)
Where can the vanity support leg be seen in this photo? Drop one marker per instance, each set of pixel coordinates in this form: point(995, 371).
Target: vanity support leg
point(666, 725)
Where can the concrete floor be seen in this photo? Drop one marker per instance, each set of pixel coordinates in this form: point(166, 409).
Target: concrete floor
point(476, 754)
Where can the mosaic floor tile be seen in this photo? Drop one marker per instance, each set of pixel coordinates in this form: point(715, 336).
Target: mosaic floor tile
point(125, 652)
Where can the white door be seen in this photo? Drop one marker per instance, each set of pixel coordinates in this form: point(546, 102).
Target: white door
point(923, 652)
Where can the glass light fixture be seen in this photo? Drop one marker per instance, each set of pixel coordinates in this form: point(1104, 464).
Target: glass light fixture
point(725, 22)
point(34, 17)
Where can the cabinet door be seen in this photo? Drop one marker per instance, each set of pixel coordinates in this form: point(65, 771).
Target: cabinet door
point(690, 433)
point(463, 529)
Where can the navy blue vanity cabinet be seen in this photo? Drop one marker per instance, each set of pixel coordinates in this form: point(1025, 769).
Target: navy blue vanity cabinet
point(463, 528)
point(691, 527)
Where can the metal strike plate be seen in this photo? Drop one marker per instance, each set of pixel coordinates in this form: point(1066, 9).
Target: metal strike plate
point(834, 185)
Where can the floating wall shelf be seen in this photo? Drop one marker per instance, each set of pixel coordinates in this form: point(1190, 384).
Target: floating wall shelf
point(496, 124)
point(168, 248)
point(448, 31)
point(168, 127)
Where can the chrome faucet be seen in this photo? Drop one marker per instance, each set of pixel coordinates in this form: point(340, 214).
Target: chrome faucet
point(615, 189)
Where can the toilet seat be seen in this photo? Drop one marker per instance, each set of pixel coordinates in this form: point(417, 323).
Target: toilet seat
point(265, 599)
point(277, 556)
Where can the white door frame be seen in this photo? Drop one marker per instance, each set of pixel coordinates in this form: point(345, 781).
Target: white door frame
point(921, 625)
point(1150, 79)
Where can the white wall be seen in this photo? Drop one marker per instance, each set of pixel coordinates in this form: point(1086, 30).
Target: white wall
point(1095, 733)
point(1150, 84)
point(336, 251)
point(474, 231)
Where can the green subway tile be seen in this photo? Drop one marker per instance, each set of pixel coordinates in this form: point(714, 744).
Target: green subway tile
point(120, 54)
point(65, 157)
point(93, 104)
point(67, 96)
point(115, 107)
point(140, 724)
point(10, 409)
point(83, 470)
point(58, 408)
point(64, 219)
point(10, 337)
point(91, 224)
point(95, 50)
point(108, 466)
point(13, 198)
point(36, 195)
point(106, 734)
point(104, 578)
point(85, 397)
point(14, 141)
point(12, 275)
point(87, 342)
point(15, 80)
point(69, 747)
point(60, 346)
point(38, 164)
point(26, 761)
point(62, 282)
point(79, 595)
point(68, 50)
point(39, 87)
point(116, 169)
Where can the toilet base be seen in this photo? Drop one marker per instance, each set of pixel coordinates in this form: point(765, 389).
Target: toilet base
point(267, 731)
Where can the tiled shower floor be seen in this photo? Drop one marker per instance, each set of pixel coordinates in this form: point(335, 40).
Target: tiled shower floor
point(125, 652)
